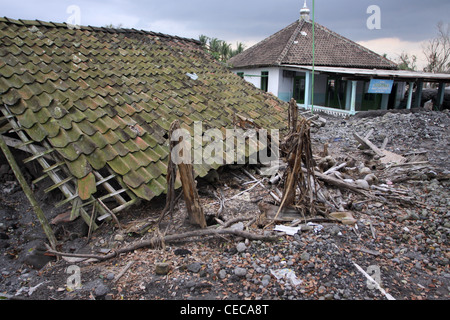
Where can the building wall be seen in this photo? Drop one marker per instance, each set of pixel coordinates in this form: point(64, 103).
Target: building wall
point(253, 76)
point(281, 84)
point(286, 86)
point(320, 89)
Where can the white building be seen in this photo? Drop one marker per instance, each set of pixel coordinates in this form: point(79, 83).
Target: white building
point(345, 73)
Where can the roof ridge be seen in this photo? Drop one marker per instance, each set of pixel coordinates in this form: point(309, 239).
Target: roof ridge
point(290, 41)
point(261, 43)
point(50, 24)
point(351, 42)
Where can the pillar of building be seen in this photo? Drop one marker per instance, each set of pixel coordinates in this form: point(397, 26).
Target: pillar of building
point(410, 93)
point(353, 98)
point(440, 95)
point(348, 95)
point(384, 101)
point(307, 88)
point(418, 99)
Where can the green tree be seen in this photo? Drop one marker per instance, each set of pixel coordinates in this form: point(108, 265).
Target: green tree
point(240, 47)
point(407, 62)
point(220, 49)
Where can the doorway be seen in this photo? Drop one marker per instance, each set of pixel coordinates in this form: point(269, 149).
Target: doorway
point(299, 89)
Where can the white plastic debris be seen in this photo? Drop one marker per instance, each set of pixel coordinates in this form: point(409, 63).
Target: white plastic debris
point(193, 76)
point(317, 227)
point(288, 230)
point(287, 274)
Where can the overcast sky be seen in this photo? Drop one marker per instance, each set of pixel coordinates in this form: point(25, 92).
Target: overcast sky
point(405, 24)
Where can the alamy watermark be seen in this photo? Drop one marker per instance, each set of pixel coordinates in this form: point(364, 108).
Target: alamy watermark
point(375, 272)
point(73, 282)
point(234, 146)
point(74, 20)
point(374, 21)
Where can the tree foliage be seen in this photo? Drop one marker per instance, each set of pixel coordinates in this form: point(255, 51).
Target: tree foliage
point(407, 62)
point(437, 50)
point(220, 49)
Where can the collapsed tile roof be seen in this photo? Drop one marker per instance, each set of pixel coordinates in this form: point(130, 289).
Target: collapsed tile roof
point(293, 46)
point(105, 98)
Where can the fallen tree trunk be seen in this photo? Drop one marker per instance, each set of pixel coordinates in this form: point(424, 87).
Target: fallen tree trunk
point(155, 242)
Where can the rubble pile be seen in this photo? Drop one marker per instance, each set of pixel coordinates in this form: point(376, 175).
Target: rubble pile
point(380, 228)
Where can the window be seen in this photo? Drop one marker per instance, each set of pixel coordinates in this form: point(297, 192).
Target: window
point(299, 89)
point(264, 80)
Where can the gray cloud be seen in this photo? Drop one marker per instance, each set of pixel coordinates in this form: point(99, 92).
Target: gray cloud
point(248, 20)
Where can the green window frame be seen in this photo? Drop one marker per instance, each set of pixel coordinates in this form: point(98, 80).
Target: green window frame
point(265, 81)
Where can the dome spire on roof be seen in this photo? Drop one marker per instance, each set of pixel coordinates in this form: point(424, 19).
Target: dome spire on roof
point(304, 12)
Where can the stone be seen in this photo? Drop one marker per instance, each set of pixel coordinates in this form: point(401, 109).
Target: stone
point(194, 267)
point(265, 280)
point(101, 290)
point(118, 237)
point(161, 268)
point(240, 272)
point(345, 217)
point(222, 274)
point(364, 171)
point(371, 179)
point(241, 247)
point(237, 226)
point(363, 184)
point(412, 215)
point(182, 252)
point(305, 256)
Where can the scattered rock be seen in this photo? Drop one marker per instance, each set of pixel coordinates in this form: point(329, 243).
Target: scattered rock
point(182, 252)
point(265, 280)
point(241, 247)
point(305, 256)
point(237, 226)
point(162, 268)
point(362, 184)
point(364, 171)
point(371, 179)
point(194, 267)
point(101, 291)
point(119, 237)
point(222, 274)
point(240, 272)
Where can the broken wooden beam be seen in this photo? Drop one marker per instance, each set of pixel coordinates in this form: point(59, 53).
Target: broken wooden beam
point(191, 198)
point(154, 242)
point(368, 144)
point(27, 190)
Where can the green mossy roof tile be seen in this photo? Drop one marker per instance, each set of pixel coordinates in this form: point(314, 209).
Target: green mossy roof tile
point(79, 167)
point(134, 179)
point(144, 192)
point(97, 159)
point(119, 165)
point(103, 97)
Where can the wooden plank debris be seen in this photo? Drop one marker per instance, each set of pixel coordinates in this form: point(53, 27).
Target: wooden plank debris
point(29, 193)
point(191, 198)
